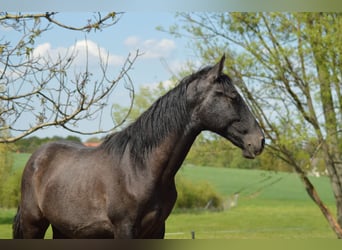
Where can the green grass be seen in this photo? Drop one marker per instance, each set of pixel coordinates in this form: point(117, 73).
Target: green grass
point(6, 219)
point(253, 222)
point(270, 205)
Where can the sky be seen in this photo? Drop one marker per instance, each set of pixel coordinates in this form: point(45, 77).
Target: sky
point(135, 30)
point(162, 55)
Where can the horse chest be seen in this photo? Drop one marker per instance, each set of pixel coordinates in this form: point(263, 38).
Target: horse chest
point(152, 224)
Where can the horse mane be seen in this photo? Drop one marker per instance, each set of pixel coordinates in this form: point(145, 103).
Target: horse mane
point(166, 115)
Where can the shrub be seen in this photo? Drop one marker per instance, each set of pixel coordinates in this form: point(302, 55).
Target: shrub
point(10, 190)
point(200, 195)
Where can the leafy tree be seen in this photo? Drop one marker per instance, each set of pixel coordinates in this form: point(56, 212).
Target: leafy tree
point(10, 190)
point(45, 88)
point(94, 139)
point(31, 143)
point(6, 163)
point(73, 138)
point(288, 66)
point(215, 151)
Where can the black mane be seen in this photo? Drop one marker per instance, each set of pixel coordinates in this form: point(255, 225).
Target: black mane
point(168, 114)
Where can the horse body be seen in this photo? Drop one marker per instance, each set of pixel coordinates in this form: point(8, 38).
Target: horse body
point(125, 187)
point(121, 201)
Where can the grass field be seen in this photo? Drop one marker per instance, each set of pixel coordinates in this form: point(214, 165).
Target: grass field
point(270, 205)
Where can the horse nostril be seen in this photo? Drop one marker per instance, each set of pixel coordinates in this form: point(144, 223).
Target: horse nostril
point(262, 142)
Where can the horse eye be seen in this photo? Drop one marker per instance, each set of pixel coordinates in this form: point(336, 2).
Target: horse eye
point(220, 93)
point(234, 94)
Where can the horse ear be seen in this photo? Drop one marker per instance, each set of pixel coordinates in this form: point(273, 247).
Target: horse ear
point(216, 71)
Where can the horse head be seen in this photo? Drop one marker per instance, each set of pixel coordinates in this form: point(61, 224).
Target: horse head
point(216, 105)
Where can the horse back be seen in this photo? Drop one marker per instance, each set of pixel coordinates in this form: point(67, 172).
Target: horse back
point(43, 159)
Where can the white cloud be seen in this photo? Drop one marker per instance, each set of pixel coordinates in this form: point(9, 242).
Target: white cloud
point(42, 50)
point(82, 49)
point(96, 52)
point(151, 48)
point(131, 41)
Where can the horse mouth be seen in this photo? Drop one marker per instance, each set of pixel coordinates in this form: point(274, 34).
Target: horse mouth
point(250, 152)
point(247, 154)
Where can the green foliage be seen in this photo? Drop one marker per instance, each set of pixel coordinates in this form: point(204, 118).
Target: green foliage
point(287, 67)
point(213, 150)
point(7, 194)
point(10, 191)
point(31, 144)
point(73, 138)
point(194, 195)
point(6, 162)
point(94, 139)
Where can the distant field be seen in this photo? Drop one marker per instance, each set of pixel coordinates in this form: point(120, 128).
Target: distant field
point(270, 205)
point(257, 185)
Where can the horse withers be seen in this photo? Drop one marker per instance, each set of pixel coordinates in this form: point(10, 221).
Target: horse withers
point(125, 187)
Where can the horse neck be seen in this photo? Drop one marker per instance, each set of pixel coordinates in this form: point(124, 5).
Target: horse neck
point(166, 159)
point(160, 138)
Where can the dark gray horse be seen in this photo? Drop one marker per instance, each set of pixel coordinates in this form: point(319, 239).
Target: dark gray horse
point(125, 187)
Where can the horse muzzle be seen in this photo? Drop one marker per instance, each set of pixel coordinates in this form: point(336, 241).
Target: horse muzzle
point(253, 147)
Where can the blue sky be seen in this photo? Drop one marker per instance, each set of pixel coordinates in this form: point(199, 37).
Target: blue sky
point(162, 54)
point(135, 30)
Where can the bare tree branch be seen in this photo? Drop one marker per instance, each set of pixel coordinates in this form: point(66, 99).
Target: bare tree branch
point(99, 21)
point(39, 91)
